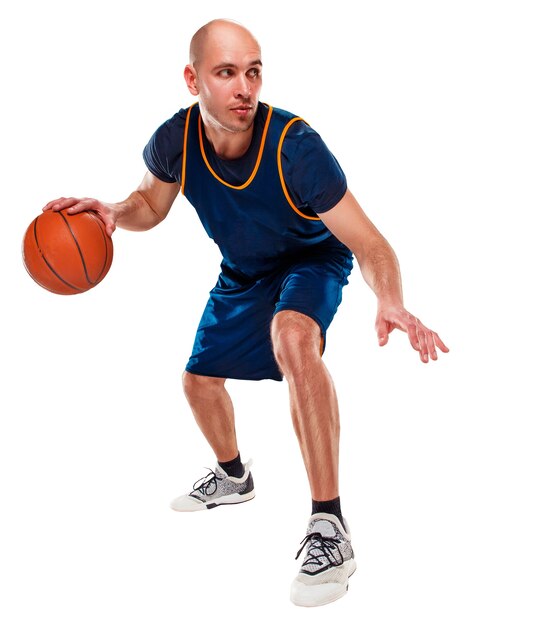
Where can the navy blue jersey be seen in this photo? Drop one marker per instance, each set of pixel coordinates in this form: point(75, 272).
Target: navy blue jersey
point(261, 209)
point(312, 174)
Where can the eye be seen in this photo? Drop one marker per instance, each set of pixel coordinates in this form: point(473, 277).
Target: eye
point(225, 73)
point(254, 72)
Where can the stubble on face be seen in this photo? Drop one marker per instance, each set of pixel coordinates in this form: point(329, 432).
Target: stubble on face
point(229, 120)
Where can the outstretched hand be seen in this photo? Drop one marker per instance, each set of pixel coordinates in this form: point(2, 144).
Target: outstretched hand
point(422, 339)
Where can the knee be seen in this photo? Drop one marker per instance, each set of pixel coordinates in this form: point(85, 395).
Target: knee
point(296, 339)
point(196, 386)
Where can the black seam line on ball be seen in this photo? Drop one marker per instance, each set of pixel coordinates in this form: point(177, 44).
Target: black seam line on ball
point(78, 248)
point(96, 219)
point(47, 262)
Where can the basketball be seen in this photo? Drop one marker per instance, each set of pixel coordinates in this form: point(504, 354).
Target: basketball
point(67, 254)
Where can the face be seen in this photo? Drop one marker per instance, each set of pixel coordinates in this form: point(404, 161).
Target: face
point(227, 78)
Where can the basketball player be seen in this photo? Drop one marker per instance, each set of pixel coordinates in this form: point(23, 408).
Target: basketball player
point(275, 200)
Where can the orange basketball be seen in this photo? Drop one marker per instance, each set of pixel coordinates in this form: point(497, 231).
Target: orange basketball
point(65, 253)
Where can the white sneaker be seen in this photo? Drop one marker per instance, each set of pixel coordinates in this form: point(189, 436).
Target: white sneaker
point(328, 562)
point(217, 488)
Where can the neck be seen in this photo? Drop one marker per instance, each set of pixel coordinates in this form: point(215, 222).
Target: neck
point(227, 144)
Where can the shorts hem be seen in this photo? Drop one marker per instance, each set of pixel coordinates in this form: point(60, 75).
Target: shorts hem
point(276, 377)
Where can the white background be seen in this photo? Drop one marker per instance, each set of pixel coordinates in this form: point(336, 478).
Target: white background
point(432, 110)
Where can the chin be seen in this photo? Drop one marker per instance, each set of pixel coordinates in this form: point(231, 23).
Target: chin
point(241, 127)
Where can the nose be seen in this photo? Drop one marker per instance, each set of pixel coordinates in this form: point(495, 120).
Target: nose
point(242, 87)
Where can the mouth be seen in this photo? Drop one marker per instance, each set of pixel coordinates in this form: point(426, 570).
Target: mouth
point(243, 109)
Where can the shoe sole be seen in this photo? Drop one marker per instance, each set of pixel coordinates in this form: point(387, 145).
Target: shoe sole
point(243, 498)
point(312, 602)
point(232, 498)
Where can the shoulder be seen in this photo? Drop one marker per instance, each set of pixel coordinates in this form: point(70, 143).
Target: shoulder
point(294, 123)
point(174, 125)
point(163, 152)
point(297, 127)
point(168, 136)
point(295, 133)
point(311, 171)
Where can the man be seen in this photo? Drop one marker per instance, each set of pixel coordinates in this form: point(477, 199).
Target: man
point(275, 200)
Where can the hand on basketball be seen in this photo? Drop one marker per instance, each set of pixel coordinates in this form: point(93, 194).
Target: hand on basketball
point(105, 211)
point(422, 339)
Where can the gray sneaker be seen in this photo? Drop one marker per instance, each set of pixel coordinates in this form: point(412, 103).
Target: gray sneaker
point(217, 488)
point(328, 562)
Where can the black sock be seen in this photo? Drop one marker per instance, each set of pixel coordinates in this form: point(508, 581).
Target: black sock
point(233, 468)
point(328, 506)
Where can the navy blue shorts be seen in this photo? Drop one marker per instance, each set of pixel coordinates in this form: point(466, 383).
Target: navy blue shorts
point(233, 339)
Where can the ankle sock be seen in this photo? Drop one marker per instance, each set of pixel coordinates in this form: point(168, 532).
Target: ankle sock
point(233, 468)
point(328, 506)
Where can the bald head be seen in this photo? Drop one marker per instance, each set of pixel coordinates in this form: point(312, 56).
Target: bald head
point(215, 33)
point(225, 73)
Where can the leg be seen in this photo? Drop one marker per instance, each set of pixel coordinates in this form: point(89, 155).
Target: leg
point(296, 340)
point(214, 413)
point(328, 560)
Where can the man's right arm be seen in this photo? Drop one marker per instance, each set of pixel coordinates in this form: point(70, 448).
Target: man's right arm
point(143, 209)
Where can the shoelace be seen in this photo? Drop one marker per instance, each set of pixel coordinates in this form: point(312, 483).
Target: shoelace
point(206, 483)
point(323, 544)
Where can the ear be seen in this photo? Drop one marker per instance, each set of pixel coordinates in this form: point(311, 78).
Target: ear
point(190, 76)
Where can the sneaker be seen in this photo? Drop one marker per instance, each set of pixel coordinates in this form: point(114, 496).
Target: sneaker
point(328, 562)
point(217, 488)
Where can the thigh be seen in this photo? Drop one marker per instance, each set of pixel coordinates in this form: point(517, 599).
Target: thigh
point(233, 337)
point(314, 287)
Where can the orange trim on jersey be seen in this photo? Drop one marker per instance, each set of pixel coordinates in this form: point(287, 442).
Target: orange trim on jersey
point(259, 156)
point(280, 170)
point(184, 154)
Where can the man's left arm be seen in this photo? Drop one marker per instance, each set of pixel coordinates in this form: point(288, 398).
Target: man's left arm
point(380, 269)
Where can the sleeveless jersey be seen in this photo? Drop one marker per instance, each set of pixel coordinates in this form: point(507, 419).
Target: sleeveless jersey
point(256, 225)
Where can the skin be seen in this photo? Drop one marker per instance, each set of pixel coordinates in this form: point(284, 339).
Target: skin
point(225, 74)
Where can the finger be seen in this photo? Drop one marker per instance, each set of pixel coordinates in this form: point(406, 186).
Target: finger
point(423, 345)
point(440, 344)
point(50, 204)
point(61, 203)
point(54, 204)
point(80, 205)
point(431, 345)
point(382, 332)
point(427, 344)
point(110, 224)
point(412, 332)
